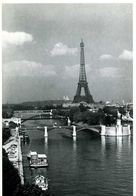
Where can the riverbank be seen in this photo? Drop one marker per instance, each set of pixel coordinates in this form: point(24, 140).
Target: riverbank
point(14, 152)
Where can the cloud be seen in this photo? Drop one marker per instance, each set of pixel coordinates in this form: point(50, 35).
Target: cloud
point(126, 55)
point(28, 68)
point(105, 57)
point(61, 49)
point(15, 38)
point(71, 71)
point(109, 72)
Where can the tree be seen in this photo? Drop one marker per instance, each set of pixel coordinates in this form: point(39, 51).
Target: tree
point(72, 112)
point(5, 134)
point(109, 120)
point(82, 107)
point(11, 179)
point(31, 190)
point(110, 110)
point(95, 118)
point(77, 117)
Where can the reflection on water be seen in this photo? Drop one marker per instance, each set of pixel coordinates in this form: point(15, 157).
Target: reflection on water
point(84, 166)
point(103, 144)
point(74, 146)
point(74, 139)
point(46, 143)
point(116, 142)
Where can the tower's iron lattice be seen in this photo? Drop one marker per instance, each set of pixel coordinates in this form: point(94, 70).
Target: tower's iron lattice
point(82, 81)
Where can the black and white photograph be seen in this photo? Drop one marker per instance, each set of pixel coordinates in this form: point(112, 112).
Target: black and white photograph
point(67, 99)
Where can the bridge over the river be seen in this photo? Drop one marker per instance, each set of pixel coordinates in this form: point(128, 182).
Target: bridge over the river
point(39, 116)
point(96, 129)
point(43, 117)
point(74, 129)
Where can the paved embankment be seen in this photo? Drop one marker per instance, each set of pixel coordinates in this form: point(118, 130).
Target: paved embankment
point(20, 163)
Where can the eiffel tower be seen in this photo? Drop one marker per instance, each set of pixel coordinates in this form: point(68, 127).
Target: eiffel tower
point(82, 81)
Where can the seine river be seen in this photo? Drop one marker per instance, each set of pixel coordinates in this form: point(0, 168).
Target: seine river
point(89, 166)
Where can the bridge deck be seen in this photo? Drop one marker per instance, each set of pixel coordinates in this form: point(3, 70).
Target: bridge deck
point(44, 118)
point(95, 129)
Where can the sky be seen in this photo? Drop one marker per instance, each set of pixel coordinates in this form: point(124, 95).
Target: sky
point(41, 51)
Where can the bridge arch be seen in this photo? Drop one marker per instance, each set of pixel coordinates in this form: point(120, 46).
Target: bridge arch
point(93, 130)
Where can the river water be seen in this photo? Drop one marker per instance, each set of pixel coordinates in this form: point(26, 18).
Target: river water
point(89, 166)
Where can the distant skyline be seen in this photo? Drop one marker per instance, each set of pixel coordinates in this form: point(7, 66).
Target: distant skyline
point(41, 51)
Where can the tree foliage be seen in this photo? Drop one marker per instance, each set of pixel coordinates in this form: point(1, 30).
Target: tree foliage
point(11, 179)
point(110, 110)
point(95, 118)
point(31, 190)
point(109, 120)
point(5, 134)
point(81, 114)
point(73, 112)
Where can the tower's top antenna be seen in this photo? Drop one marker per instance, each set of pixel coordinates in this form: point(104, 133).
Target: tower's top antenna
point(82, 43)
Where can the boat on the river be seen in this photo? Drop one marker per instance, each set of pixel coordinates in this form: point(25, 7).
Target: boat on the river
point(38, 160)
point(41, 182)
